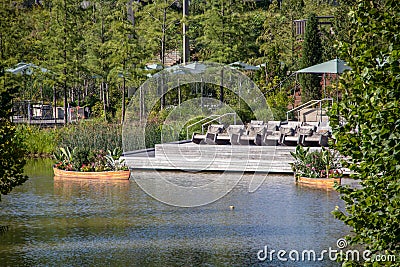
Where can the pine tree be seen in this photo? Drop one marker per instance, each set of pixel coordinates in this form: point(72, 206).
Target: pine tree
point(96, 38)
point(126, 51)
point(277, 36)
point(62, 40)
point(222, 31)
point(311, 55)
point(158, 26)
point(12, 31)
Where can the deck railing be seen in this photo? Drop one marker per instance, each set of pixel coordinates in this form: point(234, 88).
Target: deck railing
point(208, 120)
point(309, 104)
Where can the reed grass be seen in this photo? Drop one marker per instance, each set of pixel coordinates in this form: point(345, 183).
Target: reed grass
point(93, 135)
point(37, 141)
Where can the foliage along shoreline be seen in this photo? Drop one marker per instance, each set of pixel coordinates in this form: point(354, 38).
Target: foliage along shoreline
point(44, 143)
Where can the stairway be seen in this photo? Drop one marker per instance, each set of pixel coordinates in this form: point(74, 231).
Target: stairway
point(193, 157)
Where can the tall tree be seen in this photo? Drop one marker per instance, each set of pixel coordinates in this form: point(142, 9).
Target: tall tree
point(277, 36)
point(163, 34)
point(62, 41)
point(311, 55)
point(98, 53)
point(159, 27)
point(126, 54)
point(12, 32)
point(370, 137)
point(222, 31)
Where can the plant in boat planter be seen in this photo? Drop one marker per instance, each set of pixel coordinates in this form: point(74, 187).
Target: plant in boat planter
point(64, 159)
point(316, 164)
point(85, 160)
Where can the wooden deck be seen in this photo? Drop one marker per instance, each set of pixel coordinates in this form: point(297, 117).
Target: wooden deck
point(193, 157)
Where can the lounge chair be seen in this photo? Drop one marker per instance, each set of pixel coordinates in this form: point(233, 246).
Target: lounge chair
point(198, 138)
point(210, 137)
point(253, 122)
point(212, 133)
point(271, 133)
point(234, 132)
point(307, 132)
point(289, 135)
point(319, 136)
point(249, 138)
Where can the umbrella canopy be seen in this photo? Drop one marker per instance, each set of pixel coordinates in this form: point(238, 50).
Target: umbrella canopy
point(243, 66)
point(192, 68)
point(25, 68)
point(336, 66)
point(155, 66)
point(195, 67)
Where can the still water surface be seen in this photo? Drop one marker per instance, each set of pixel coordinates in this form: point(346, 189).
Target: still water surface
point(94, 223)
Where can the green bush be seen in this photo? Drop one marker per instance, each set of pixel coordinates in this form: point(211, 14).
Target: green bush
point(38, 141)
point(91, 135)
point(370, 138)
point(316, 164)
point(78, 159)
point(84, 135)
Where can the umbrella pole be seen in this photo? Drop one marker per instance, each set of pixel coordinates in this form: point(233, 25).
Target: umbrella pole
point(337, 87)
point(179, 94)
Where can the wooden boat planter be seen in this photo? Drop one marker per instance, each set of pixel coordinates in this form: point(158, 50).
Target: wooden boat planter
point(318, 182)
point(105, 175)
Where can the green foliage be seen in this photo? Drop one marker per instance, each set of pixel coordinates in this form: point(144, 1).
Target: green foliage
point(11, 149)
point(86, 135)
point(36, 141)
point(194, 129)
point(278, 103)
point(225, 33)
point(370, 137)
point(153, 134)
point(277, 40)
point(12, 27)
point(91, 135)
point(11, 158)
point(83, 159)
point(316, 164)
point(159, 27)
point(312, 54)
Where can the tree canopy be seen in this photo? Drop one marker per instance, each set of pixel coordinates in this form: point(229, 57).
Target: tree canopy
point(311, 55)
point(96, 51)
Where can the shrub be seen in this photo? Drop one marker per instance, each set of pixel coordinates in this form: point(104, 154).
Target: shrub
point(93, 135)
point(38, 141)
point(316, 164)
point(371, 136)
point(78, 159)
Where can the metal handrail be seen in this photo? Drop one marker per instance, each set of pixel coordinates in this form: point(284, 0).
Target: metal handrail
point(219, 119)
point(308, 104)
point(187, 128)
point(215, 116)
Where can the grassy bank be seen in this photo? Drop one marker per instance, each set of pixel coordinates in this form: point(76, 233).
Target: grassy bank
point(86, 134)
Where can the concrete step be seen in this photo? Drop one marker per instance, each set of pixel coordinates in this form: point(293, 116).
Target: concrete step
point(271, 166)
point(193, 157)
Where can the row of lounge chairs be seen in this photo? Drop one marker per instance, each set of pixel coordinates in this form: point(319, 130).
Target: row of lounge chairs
point(272, 133)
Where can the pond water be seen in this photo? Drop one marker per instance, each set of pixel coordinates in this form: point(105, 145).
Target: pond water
point(92, 223)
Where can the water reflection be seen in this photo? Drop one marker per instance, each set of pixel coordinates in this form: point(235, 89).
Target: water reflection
point(91, 223)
